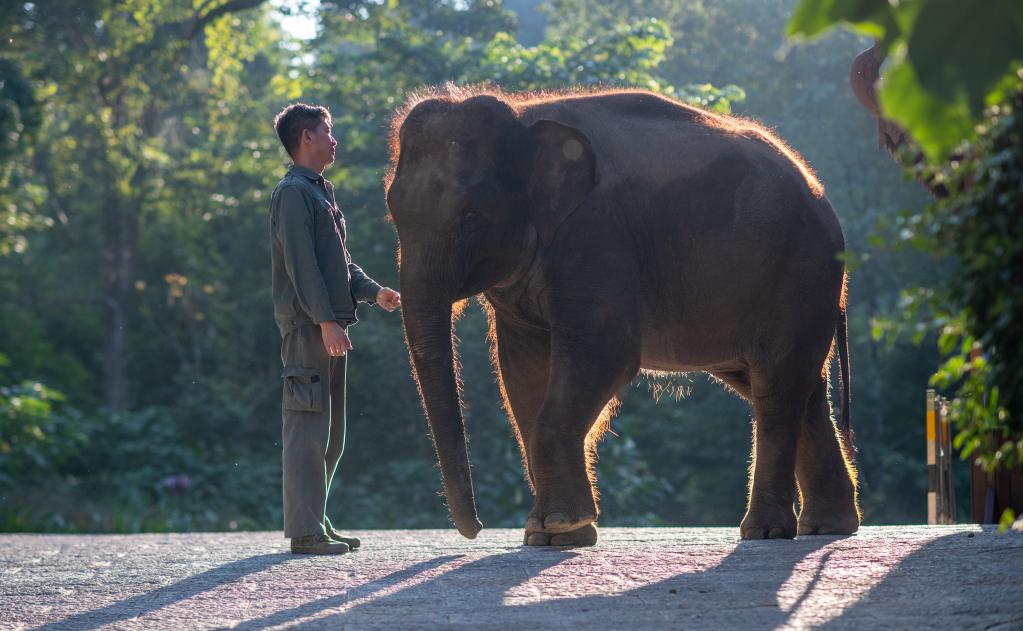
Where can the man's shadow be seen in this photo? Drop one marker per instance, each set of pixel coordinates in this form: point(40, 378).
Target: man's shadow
point(148, 602)
point(161, 597)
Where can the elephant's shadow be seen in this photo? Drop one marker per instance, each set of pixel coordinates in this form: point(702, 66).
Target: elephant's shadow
point(754, 584)
point(757, 584)
point(471, 592)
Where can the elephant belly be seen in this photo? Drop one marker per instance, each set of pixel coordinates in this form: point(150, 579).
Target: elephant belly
point(685, 351)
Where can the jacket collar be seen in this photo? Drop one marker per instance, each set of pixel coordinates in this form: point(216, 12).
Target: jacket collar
point(309, 174)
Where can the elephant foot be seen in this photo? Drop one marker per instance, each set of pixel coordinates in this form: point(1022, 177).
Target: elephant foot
point(585, 536)
point(555, 523)
point(828, 521)
point(568, 513)
point(768, 523)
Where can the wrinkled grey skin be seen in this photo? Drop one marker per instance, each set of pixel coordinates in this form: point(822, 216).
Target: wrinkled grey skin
point(611, 233)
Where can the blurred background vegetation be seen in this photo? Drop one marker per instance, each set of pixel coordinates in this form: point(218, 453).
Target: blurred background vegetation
point(139, 362)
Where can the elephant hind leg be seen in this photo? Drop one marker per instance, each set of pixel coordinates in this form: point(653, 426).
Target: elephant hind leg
point(779, 397)
point(825, 472)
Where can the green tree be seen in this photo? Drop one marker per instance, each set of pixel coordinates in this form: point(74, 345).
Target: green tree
point(152, 161)
point(125, 63)
point(950, 59)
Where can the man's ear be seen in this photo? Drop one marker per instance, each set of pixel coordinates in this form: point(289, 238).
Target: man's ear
point(562, 172)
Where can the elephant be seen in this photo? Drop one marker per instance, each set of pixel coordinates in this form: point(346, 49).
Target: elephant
point(864, 78)
point(608, 232)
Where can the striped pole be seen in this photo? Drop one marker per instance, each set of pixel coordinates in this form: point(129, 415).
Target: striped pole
point(932, 468)
point(947, 479)
point(941, 425)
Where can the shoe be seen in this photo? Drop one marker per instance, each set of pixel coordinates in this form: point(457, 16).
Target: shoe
point(317, 544)
point(352, 542)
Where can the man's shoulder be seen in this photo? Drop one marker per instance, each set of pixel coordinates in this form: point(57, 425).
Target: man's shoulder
point(289, 180)
point(289, 184)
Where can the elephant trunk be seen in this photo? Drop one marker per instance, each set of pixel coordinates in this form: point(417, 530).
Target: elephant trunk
point(428, 331)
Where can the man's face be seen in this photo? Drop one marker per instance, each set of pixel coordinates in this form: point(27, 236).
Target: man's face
point(320, 144)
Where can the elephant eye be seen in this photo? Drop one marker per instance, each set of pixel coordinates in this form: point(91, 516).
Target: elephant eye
point(470, 216)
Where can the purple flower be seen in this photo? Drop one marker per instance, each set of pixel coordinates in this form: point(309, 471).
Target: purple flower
point(177, 483)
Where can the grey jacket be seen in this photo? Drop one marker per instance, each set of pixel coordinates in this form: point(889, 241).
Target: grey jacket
point(314, 278)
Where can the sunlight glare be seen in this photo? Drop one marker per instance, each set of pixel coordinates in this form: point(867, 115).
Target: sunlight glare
point(301, 23)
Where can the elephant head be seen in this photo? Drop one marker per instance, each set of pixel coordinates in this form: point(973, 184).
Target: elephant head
point(474, 192)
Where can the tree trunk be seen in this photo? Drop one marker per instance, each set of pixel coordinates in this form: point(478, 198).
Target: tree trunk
point(121, 233)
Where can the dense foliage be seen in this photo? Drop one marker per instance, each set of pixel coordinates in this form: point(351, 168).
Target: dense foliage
point(956, 83)
point(140, 363)
point(980, 226)
point(950, 59)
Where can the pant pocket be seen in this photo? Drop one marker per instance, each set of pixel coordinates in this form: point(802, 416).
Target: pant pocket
point(303, 391)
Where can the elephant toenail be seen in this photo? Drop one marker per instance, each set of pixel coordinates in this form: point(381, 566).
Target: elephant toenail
point(556, 521)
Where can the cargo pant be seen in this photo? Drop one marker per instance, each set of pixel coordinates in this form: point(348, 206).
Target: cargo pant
point(313, 411)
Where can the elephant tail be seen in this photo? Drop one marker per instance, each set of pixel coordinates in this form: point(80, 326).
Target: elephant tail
point(842, 341)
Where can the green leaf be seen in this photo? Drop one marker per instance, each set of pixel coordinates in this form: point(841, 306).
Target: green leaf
point(870, 17)
point(1008, 517)
point(935, 124)
point(959, 48)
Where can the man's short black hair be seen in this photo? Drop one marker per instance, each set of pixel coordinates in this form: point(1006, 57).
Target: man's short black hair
point(296, 118)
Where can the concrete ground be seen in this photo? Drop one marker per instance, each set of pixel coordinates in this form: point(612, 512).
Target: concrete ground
point(915, 577)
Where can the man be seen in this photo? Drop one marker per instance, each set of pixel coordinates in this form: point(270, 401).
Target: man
point(316, 287)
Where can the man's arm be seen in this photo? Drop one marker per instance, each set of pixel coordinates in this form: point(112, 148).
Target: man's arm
point(364, 288)
point(292, 219)
point(368, 290)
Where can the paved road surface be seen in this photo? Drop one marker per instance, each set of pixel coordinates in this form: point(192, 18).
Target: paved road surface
point(919, 577)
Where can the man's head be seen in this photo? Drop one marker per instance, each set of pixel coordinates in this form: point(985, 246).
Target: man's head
point(306, 133)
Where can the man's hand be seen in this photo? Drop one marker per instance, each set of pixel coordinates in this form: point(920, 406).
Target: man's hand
point(388, 299)
point(335, 340)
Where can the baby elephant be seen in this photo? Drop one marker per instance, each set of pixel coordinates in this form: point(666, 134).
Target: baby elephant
point(610, 232)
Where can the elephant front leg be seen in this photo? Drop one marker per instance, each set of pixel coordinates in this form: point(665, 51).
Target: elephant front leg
point(523, 372)
point(573, 416)
point(585, 536)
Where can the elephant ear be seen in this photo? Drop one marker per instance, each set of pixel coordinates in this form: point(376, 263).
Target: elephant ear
point(564, 171)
